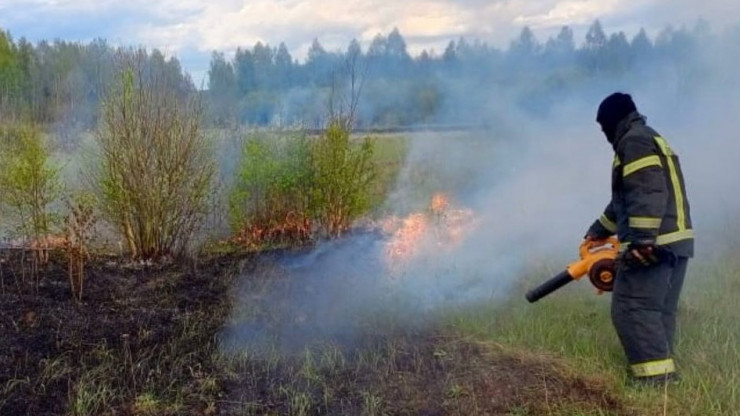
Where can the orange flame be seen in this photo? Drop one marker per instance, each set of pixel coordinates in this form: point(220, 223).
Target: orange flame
point(441, 226)
point(404, 243)
point(439, 204)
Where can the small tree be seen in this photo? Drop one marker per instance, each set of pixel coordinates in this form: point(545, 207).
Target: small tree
point(29, 182)
point(343, 170)
point(155, 169)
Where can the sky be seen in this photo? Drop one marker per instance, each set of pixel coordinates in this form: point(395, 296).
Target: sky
point(192, 29)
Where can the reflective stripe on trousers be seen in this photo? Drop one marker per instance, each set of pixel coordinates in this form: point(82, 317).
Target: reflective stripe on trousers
point(653, 368)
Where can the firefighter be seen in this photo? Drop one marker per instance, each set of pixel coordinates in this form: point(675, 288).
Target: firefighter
point(649, 213)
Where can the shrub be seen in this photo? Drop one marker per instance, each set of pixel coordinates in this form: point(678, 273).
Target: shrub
point(288, 189)
point(155, 167)
point(343, 172)
point(270, 200)
point(29, 182)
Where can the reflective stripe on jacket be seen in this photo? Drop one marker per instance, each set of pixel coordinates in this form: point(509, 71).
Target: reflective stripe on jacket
point(649, 203)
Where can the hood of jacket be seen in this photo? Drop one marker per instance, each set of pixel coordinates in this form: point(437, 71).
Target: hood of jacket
point(632, 119)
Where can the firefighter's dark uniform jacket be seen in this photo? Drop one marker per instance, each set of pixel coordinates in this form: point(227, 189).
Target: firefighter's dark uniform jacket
point(648, 206)
point(649, 203)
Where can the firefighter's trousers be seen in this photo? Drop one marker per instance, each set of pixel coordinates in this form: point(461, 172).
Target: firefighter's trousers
point(644, 304)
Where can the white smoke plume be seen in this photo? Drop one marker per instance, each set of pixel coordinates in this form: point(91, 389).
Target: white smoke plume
point(532, 185)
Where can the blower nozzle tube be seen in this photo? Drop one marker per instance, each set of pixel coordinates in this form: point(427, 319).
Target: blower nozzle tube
point(560, 280)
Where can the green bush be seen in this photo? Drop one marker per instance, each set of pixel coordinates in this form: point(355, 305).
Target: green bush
point(289, 190)
point(343, 175)
point(29, 182)
point(270, 200)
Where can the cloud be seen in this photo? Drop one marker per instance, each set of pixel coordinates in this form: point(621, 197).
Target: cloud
point(568, 13)
point(198, 26)
point(297, 23)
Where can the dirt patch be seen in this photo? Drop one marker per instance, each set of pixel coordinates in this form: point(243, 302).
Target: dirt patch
point(139, 329)
point(419, 374)
point(145, 342)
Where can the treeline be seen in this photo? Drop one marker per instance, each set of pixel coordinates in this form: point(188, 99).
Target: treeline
point(63, 82)
point(265, 86)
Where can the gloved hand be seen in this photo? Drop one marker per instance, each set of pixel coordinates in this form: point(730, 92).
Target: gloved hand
point(641, 254)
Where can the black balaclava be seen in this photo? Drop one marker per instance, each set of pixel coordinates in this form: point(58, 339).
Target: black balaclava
point(611, 111)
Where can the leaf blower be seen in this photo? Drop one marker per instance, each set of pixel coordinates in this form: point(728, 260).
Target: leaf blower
point(598, 260)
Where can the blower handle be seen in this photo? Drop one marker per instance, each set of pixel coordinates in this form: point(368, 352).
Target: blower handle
point(562, 279)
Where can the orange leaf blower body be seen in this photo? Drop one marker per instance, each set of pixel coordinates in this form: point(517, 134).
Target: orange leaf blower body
point(598, 260)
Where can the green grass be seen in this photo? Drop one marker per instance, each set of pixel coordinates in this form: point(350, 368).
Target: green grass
point(574, 324)
point(390, 155)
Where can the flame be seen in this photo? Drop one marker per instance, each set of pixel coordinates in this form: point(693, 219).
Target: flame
point(440, 202)
point(404, 243)
point(441, 227)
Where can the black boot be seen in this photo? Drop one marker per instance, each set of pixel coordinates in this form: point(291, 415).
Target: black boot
point(656, 381)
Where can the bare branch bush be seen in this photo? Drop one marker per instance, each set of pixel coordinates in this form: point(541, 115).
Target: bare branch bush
point(345, 97)
point(79, 228)
point(155, 167)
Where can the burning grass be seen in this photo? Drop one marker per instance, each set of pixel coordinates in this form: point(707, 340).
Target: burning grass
point(438, 230)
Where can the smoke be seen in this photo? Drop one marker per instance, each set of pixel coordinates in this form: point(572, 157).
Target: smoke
point(533, 186)
point(705, 136)
point(524, 198)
